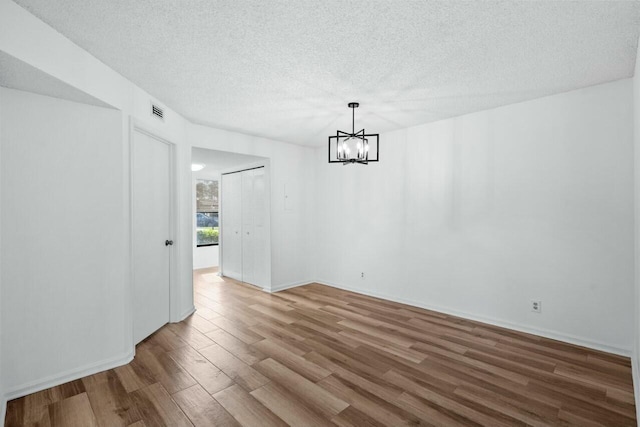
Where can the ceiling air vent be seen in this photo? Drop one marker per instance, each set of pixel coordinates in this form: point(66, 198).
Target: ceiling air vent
point(157, 111)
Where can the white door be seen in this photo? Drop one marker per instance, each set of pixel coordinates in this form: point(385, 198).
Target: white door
point(243, 228)
point(151, 199)
point(231, 225)
point(253, 227)
point(259, 232)
point(248, 209)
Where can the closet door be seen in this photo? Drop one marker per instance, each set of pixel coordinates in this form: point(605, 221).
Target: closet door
point(259, 234)
point(253, 227)
point(231, 226)
point(243, 227)
point(248, 214)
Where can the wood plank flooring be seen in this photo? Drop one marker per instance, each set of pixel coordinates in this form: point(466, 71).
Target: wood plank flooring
point(319, 356)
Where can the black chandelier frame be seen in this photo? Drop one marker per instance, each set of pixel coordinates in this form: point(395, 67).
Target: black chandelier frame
point(341, 135)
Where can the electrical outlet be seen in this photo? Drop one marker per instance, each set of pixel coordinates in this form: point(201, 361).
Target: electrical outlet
point(362, 275)
point(536, 306)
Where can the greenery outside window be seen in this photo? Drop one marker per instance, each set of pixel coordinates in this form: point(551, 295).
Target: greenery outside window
point(207, 228)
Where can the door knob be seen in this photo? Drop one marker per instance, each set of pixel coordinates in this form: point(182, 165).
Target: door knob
point(168, 242)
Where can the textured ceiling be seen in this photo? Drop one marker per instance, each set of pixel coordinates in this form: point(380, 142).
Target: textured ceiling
point(16, 74)
point(285, 69)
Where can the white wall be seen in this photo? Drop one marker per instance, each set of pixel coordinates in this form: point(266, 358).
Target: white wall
point(204, 256)
point(33, 42)
point(480, 214)
point(63, 270)
point(636, 143)
point(28, 39)
point(292, 231)
point(3, 400)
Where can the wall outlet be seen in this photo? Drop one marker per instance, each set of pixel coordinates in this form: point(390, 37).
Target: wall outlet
point(536, 306)
point(362, 275)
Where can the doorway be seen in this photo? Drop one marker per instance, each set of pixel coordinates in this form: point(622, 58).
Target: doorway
point(220, 226)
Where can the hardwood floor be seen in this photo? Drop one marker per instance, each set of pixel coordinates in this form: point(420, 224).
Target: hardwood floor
point(319, 356)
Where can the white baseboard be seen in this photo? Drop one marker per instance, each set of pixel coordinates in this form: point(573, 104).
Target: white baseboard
point(65, 377)
point(186, 314)
point(554, 335)
point(285, 286)
point(3, 408)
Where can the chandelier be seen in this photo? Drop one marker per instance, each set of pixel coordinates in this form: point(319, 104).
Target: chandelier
point(354, 147)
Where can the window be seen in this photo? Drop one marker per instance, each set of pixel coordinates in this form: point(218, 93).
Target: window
point(207, 212)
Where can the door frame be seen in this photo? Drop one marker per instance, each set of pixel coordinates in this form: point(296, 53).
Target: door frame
point(138, 126)
point(266, 164)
